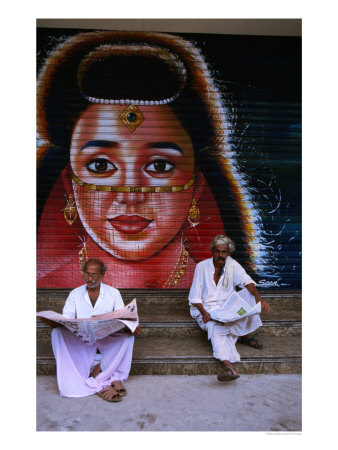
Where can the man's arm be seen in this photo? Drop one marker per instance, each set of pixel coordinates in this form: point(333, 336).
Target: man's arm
point(205, 315)
point(253, 290)
point(195, 295)
point(51, 323)
point(69, 309)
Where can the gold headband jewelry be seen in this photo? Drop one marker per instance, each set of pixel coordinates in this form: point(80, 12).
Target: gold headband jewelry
point(99, 187)
point(132, 117)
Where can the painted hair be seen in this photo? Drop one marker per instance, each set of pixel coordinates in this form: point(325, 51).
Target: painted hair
point(79, 72)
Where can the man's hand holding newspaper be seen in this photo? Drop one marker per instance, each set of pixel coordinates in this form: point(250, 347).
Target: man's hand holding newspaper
point(96, 327)
point(235, 308)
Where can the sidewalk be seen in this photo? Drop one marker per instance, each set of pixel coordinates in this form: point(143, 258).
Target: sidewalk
point(178, 403)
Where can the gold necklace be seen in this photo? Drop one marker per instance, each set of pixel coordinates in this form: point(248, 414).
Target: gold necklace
point(179, 269)
point(175, 276)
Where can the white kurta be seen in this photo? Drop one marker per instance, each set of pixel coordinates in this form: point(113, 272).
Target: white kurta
point(204, 290)
point(78, 304)
point(74, 357)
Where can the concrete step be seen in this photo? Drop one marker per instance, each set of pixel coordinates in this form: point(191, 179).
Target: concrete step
point(172, 343)
point(193, 356)
point(172, 319)
point(189, 328)
point(281, 301)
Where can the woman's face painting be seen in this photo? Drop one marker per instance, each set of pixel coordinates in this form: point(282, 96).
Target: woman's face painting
point(105, 152)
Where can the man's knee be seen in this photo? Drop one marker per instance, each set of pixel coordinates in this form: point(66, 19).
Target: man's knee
point(129, 338)
point(56, 332)
point(60, 333)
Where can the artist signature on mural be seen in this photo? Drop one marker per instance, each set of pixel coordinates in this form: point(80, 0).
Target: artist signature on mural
point(270, 283)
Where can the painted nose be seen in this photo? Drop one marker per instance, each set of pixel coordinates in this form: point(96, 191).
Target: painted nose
point(129, 198)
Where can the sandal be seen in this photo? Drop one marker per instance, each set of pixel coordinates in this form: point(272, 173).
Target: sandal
point(122, 391)
point(227, 375)
point(109, 394)
point(251, 342)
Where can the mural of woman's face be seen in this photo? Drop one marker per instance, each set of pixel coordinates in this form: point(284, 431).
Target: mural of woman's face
point(134, 225)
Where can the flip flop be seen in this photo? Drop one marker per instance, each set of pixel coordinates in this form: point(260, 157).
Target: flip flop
point(122, 391)
point(227, 375)
point(109, 394)
point(251, 342)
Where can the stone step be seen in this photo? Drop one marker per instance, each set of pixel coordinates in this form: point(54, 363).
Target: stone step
point(193, 356)
point(181, 313)
point(189, 328)
point(174, 319)
point(54, 299)
point(172, 343)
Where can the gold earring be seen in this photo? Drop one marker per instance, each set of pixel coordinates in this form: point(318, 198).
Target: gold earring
point(194, 214)
point(83, 255)
point(70, 212)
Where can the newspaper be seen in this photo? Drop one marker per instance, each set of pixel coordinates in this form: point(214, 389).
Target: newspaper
point(235, 308)
point(99, 326)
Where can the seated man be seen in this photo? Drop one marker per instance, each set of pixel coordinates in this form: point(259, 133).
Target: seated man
point(74, 357)
point(215, 279)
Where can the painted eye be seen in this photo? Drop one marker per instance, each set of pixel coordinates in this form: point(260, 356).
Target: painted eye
point(160, 166)
point(100, 165)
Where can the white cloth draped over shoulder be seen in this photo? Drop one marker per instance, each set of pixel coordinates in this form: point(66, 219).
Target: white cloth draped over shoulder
point(204, 290)
point(74, 358)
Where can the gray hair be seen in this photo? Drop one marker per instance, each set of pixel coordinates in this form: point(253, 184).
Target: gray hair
point(220, 239)
point(103, 268)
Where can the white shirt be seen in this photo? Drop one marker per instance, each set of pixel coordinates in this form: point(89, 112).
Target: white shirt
point(204, 289)
point(79, 306)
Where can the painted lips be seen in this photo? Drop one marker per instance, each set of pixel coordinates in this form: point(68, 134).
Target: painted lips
point(129, 224)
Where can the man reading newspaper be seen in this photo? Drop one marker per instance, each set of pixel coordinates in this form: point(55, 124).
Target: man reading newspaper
point(74, 357)
point(218, 309)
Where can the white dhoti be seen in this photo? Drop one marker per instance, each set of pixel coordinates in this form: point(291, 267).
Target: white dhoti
point(224, 336)
point(74, 359)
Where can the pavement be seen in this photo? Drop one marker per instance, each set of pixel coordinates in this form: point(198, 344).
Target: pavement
point(268, 402)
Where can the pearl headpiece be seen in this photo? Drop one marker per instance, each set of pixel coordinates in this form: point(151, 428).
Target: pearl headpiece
point(171, 60)
point(106, 101)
